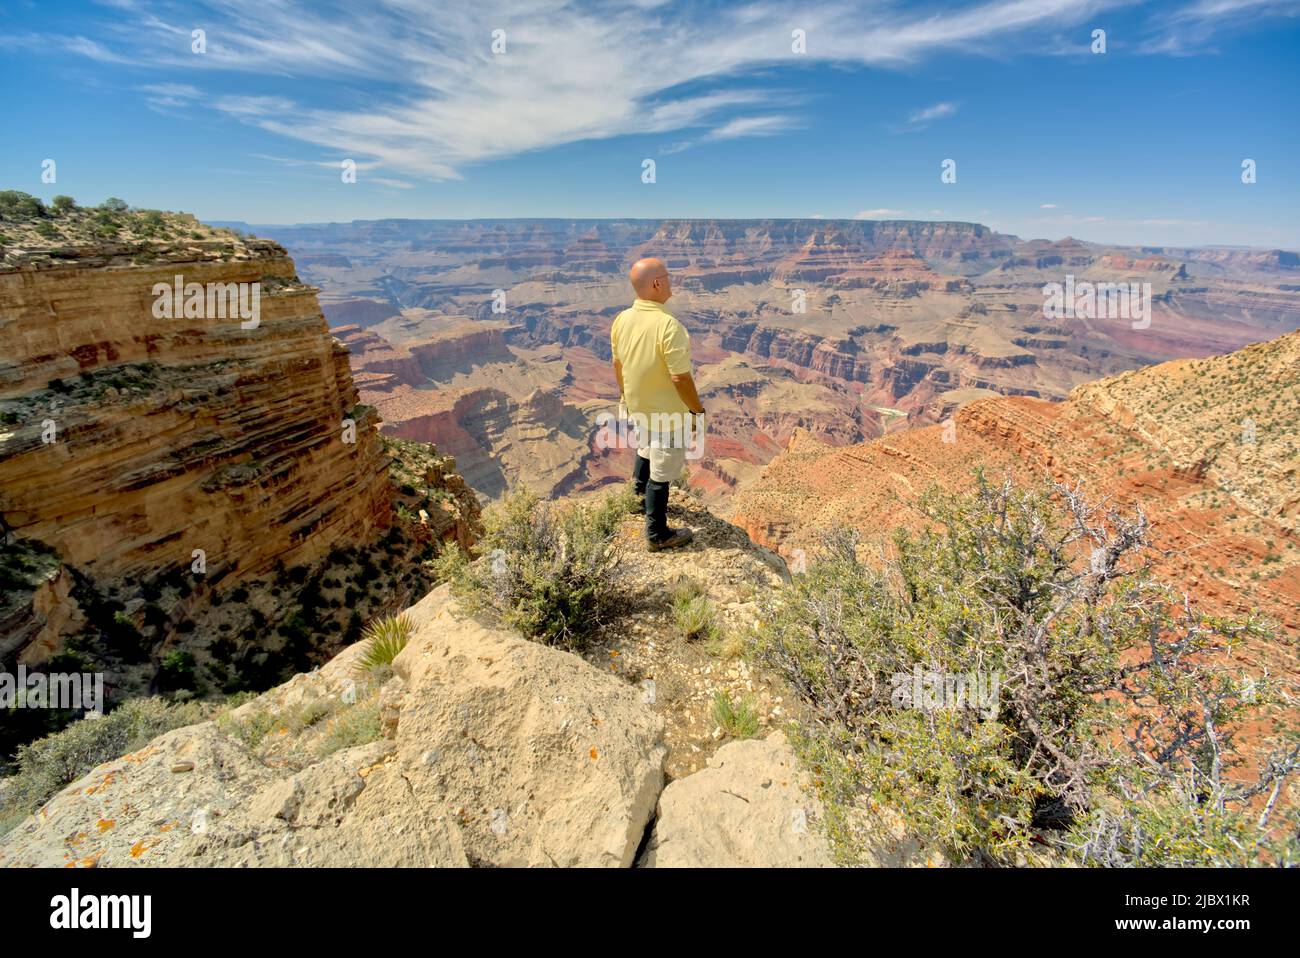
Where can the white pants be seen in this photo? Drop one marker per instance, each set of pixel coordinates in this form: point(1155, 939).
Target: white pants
point(665, 464)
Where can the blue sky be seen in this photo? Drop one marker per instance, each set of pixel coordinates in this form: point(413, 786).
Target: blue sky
point(1140, 144)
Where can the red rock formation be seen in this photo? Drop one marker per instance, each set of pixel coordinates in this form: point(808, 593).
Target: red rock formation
point(1225, 513)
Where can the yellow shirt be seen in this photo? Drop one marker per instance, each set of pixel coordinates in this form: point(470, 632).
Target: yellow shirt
point(651, 345)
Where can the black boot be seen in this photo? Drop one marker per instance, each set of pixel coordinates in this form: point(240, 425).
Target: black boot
point(658, 535)
point(640, 476)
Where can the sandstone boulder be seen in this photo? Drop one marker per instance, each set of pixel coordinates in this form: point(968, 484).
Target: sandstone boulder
point(544, 759)
point(749, 808)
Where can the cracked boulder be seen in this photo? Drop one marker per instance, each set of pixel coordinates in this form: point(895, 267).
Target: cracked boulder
point(749, 808)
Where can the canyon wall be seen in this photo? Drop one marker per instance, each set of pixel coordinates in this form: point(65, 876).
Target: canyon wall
point(1207, 448)
point(129, 443)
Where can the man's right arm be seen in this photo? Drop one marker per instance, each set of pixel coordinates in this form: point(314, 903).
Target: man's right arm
point(618, 364)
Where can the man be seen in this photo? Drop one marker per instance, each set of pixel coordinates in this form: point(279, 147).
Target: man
point(652, 363)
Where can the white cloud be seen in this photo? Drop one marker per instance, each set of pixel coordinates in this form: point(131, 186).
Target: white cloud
point(1192, 28)
point(880, 214)
point(254, 106)
point(414, 85)
point(752, 126)
point(920, 119)
point(178, 90)
point(168, 96)
point(94, 50)
point(1047, 206)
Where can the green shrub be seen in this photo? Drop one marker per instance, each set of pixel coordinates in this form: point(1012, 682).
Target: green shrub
point(176, 672)
point(1108, 733)
point(548, 571)
point(16, 205)
point(385, 638)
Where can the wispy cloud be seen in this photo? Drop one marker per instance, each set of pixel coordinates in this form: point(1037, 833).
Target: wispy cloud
point(752, 126)
point(165, 97)
point(1193, 28)
point(920, 119)
point(178, 90)
point(416, 87)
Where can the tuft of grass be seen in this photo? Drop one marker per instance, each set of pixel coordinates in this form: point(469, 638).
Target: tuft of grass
point(386, 637)
point(693, 614)
point(251, 730)
point(358, 725)
point(726, 644)
point(737, 719)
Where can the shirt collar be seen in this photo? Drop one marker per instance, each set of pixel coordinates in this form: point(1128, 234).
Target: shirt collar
point(640, 303)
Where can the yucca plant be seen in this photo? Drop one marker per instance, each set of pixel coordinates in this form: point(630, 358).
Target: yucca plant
point(384, 638)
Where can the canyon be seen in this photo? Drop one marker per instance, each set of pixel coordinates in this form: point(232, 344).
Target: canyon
point(490, 337)
point(200, 508)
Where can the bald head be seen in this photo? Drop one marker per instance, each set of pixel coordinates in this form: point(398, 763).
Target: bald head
point(650, 280)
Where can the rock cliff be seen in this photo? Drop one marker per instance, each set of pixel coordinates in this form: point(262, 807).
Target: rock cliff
point(155, 461)
point(171, 435)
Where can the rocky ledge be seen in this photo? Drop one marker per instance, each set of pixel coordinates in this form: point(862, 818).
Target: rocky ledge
point(487, 750)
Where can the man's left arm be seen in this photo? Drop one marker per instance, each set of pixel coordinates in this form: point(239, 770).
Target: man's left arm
point(685, 386)
point(677, 356)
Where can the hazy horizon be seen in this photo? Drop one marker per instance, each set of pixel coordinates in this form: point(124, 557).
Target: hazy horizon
point(218, 221)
